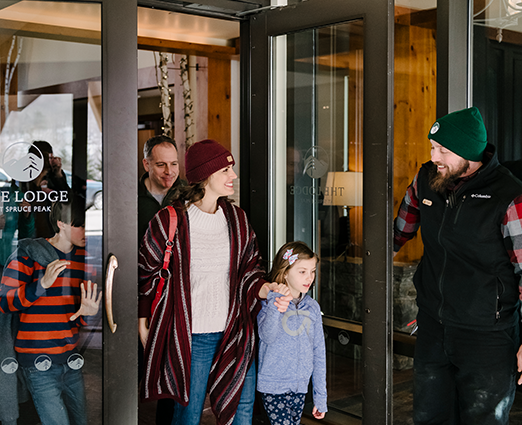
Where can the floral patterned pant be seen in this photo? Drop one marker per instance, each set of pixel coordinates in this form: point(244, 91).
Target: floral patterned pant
point(284, 409)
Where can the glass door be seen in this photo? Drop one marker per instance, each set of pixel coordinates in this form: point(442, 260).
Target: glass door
point(51, 212)
point(328, 143)
point(59, 363)
point(318, 183)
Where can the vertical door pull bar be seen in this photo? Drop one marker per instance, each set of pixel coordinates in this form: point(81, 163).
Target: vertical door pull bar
point(112, 265)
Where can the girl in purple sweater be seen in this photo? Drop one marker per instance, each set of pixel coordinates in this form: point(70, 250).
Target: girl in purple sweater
point(291, 343)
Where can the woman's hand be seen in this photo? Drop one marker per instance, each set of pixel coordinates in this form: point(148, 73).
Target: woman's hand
point(265, 289)
point(273, 286)
point(143, 330)
point(317, 414)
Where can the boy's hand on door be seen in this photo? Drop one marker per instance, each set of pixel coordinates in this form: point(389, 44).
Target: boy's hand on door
point(91, 299)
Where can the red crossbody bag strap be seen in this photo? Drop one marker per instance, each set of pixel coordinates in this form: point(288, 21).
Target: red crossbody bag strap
point(165, 272)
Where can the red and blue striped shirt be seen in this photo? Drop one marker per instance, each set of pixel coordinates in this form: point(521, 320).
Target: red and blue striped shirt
point(45, 328)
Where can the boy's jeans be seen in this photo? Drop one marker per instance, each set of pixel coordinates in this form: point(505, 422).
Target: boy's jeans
point(58, 394)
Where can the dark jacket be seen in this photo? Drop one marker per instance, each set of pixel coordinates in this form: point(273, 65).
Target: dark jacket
point(465, 277)
point(148, 206)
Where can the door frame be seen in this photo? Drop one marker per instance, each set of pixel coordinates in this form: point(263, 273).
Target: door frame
point(120, 206)
point(256, 34)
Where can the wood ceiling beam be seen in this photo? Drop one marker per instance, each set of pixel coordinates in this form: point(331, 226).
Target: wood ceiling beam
point(182, 47)
point(52, 32)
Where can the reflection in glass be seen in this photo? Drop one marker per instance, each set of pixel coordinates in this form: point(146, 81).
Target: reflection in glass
point(50, 211)
point(497, 76)
point(317, 185)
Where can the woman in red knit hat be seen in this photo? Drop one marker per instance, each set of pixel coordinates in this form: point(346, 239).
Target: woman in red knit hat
point(200, 336)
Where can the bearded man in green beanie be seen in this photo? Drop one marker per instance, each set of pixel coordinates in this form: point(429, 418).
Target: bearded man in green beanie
point(470, 210)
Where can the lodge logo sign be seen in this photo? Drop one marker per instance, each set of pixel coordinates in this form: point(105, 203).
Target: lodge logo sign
point(316, 162)
point(9, 365)
point(75, 361)
point(23, 161)
point(43, 363)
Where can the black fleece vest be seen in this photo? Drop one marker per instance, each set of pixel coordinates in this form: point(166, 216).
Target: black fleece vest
point(466, 278)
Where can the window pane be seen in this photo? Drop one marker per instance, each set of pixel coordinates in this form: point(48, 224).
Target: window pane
point(50, 153)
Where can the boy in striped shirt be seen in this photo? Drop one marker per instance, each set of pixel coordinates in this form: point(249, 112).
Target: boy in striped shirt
point(44, 281)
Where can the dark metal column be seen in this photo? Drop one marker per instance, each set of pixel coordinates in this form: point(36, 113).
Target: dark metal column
point(453, 55)
point(120, 111)
point(255, 139)
point(378, 214)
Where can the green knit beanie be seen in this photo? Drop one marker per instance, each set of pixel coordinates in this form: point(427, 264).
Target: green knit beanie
point(462, 132)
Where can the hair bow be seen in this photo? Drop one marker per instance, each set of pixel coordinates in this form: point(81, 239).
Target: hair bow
point(288, 256)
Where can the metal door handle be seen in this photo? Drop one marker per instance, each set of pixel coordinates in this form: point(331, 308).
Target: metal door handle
point(112, 265)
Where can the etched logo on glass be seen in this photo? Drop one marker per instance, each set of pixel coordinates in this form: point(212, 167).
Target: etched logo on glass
point(43, 363)
point(316, 162)
point(23, 161)
point(75, 361)
point(9, 365)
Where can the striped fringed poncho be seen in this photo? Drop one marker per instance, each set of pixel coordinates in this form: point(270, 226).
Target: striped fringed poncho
point(168, 350)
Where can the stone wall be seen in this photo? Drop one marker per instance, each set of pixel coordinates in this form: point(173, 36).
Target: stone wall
point(341, 297)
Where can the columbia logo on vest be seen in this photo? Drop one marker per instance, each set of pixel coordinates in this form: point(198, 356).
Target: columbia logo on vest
point(480, 195)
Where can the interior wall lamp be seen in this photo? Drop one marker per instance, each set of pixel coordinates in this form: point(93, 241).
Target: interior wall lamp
point(344, 189)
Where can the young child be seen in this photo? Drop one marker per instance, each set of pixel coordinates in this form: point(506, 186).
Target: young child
point(291, 347)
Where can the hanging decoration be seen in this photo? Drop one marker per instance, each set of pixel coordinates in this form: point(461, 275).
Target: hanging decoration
point(165, 92)
point(188, 104)
point(500, 15)
point(9, 71)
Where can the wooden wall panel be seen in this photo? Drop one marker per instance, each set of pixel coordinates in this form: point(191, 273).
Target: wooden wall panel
point(415, 112)
point(355, 137)
point(143, 136)
point(201, 100)
point(219, 102)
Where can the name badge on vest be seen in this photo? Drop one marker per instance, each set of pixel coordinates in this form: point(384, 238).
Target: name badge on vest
point(427, 202)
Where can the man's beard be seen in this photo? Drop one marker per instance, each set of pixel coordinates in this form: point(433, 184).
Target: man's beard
point(440, 182)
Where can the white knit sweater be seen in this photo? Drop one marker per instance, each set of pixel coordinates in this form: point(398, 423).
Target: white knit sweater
point(209, 270)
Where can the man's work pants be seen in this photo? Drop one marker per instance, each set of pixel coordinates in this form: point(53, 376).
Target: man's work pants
point(463, 376)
